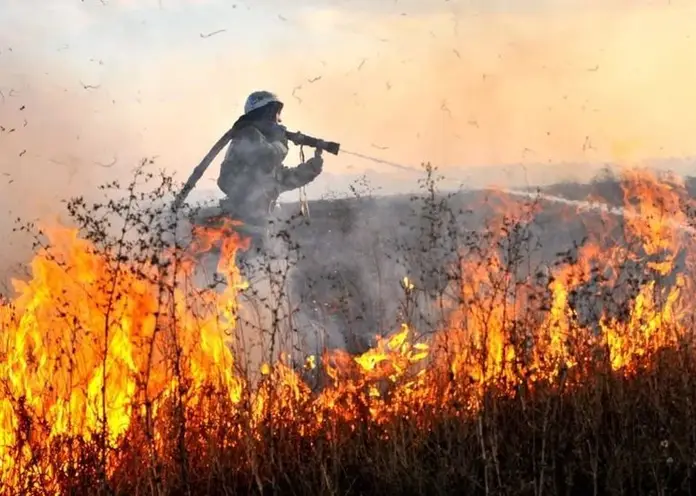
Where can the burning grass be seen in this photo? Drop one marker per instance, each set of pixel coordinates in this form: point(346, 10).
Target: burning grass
point(119, 376)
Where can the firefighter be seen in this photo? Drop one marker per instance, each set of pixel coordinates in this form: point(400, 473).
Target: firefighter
point(252, 174)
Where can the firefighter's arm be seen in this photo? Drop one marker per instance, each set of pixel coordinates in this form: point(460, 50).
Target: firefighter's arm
point(291, 178)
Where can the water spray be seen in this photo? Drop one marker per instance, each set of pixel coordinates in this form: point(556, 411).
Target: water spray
point(381, 161)
point(581, 205)
point(590, 206)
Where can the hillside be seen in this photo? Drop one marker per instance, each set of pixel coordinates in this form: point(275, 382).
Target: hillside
point(356, 251)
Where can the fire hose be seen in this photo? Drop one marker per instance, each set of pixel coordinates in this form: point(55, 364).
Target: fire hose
point(296, 137)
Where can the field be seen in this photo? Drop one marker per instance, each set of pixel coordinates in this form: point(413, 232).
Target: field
point(446, 343)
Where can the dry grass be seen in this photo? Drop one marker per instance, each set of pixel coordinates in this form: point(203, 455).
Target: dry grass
point(586, 429)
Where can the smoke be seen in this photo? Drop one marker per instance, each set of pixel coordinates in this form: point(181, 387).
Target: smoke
point(53, 145)
point(463, 85)
point(467, 87)
point(497, 88)
point(89, 89)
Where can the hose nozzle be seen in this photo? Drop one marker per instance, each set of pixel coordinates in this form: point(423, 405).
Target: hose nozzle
point(303, 140)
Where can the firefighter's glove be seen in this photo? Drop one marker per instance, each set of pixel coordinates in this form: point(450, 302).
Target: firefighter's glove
point(316, 163)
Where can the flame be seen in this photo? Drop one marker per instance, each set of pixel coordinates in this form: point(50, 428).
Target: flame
point(95, 352)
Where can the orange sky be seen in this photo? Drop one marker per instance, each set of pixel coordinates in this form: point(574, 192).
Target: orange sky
point(599, 84)
point(588, 81)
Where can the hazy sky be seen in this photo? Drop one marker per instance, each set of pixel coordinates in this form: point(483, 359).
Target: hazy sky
point(459, 83)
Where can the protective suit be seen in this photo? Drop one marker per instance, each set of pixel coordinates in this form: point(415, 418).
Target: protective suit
point(252, 174)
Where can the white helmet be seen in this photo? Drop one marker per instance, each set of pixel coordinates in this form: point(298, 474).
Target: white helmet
point(260, 99)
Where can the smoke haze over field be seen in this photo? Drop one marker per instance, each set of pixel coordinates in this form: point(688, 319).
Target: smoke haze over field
point(90, 88)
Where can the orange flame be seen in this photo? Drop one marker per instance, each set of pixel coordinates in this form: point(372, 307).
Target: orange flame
point(95, 351)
